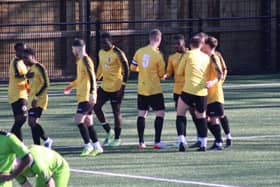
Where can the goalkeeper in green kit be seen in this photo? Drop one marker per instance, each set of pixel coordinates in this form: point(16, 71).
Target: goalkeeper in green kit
point(10, 148)
point(49, 168)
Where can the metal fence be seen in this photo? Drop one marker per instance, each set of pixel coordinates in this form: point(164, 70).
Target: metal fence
point(247, 29)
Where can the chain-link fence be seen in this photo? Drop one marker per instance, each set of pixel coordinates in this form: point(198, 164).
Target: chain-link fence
point(247, 29)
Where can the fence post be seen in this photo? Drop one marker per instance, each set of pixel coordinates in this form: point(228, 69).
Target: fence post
point(88, 27)
point(200, 25)
point(85, 25)
point(97, 41)
point(266, 35)
point(277, 52)
point(190, 6)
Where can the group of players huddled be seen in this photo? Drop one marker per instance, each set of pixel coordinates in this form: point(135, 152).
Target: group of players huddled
point(198, 70)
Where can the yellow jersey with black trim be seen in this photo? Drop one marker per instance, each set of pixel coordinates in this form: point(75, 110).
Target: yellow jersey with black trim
point(223, 65)
point(172, 66)
point(39, 85)
point(113, 67)
point(216, 93)
point(17, 81)
point(85, 82)
point(196, 67)
point(150, 65)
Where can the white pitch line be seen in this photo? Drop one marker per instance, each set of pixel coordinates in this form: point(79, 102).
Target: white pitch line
point(150, 178)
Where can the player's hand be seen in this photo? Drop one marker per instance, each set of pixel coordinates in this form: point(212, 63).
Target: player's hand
point(29, 75)
point(67, 90)
point(211, 83)
point(34, 103)
point(120, 93)
point(164, 77)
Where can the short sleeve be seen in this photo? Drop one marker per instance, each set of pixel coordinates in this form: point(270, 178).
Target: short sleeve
point(17, 146)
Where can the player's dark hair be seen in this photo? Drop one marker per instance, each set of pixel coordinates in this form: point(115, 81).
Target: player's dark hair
point(19, 45)
point(196, 41)
point(78, 42)
point(179, 37)
point(29, 51)
point(212, 42)
point(106, 35)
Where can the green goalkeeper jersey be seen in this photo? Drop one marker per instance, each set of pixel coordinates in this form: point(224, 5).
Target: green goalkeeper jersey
point(10, 148)
point(47, 163)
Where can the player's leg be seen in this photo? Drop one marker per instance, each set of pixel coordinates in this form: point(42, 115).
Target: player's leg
point(214, 111)
point(181, 121)
point(197, 143)
point(32, 122)
point(20, 115)
point(157, 104)
point(116, 108)
point(97, 149)
point(226, 128)
point(102, 98)
point(80, 116)
point(216, 131)
point(143, 108)
point(200, 113)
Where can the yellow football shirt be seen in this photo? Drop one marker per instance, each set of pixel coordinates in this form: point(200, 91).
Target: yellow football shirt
point(223, 65)
point(149, 62)
point(113, 67)
point(85, 82)
point(172, 66)
point(215, 93)
point(39, 85)
point(196, 67)
point(17, 81)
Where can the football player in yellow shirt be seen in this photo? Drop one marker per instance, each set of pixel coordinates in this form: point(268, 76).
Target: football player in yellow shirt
point(223, 119)
point(215, 102)
point(172, 65)
point(113, 68)
point(197, 67)
point(150, 65)
point(17, 90)
point(37, 97)
point(85, 84)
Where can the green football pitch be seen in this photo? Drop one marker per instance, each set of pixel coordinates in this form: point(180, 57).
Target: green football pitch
point(252, 106)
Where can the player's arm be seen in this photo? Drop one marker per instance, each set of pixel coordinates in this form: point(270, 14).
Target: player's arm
point(99, 72)
point(124, 64)
point(214, 67)
point(21, 152)
point(45, 80)
point(161, 67)
point(89, 70)
point(134, 64)
point(224, 67)
point(169, 69)
point(20, 69)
